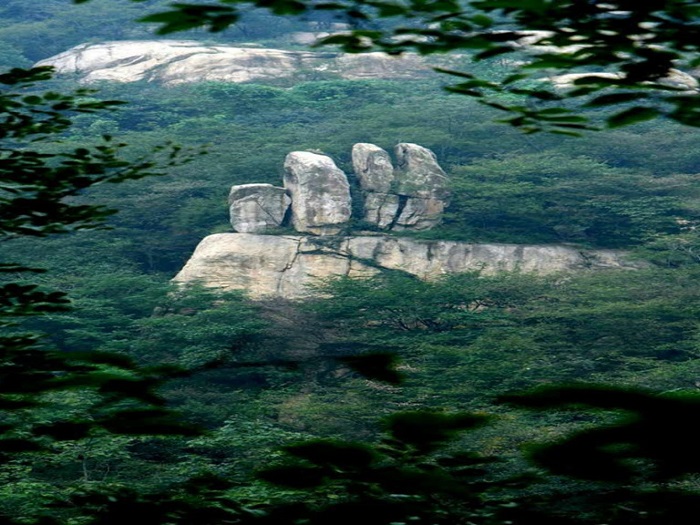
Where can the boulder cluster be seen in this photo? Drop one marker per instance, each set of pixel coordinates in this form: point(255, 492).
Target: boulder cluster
point(316, 197)
point(408, 192)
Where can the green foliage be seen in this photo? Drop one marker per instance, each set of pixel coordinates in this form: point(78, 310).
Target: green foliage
point(49, 398)
point(482, 335)
point(36, 183)
point(402, 478)
point(609, 452)
point(529, 198)
point(200, 328)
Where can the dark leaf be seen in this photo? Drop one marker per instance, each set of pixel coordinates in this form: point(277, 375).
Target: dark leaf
point(376, 366)
point(632, 116)
point(425, 430)
point(493, 52)
point(294, 477)
point(71, 430)
point(339, 454)
point(615, 98)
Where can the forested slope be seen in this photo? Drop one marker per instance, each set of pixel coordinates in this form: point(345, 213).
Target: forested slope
point(268, 374)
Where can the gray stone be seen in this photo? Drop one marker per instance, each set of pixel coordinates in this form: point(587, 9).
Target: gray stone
point(257, 208)
point(320, 193)
point(381, 209)
point(419, 214)
point(674, 79)
point(418, 173)
point(373, 168)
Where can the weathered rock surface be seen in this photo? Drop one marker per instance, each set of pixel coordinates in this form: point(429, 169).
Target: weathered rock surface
point(373, 168)
point(183, 61)
point(424, 184)
point(411, 196)
point(290, 266)
point(257, 208)
point(320, 193)
point(419, 174)
point(382, 209)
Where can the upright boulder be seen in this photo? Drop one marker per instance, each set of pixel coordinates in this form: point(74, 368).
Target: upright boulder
point(320, 192)
point(424, 186)
point(375, 173)
point(412, 196)
point(373, 167)
point(257, 208)
point(418, 173)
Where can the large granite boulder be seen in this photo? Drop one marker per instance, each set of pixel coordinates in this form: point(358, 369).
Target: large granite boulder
point(320, 193)
point(267, 266)
point(257, 208)
point(411, 196)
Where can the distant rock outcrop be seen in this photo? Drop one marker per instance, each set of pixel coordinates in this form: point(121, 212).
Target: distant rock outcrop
point(257, 208)
point(184, 61)
point(289, 267)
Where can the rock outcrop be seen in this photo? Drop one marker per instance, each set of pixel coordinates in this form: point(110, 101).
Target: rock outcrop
point(320, 193)
point(267, 266)
point(257, 208)
point(183, 61)
point(411, 196)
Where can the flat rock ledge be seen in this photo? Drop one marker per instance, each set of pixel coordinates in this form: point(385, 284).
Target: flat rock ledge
point(290, 267)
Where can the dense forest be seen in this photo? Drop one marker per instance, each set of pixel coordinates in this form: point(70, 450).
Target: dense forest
point(254, 377)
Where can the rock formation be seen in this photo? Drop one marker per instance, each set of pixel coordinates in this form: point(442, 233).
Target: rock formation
point(267, 266)
point(257, 208)
point(411, 196)
point(320, 193)
point(183, 61)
